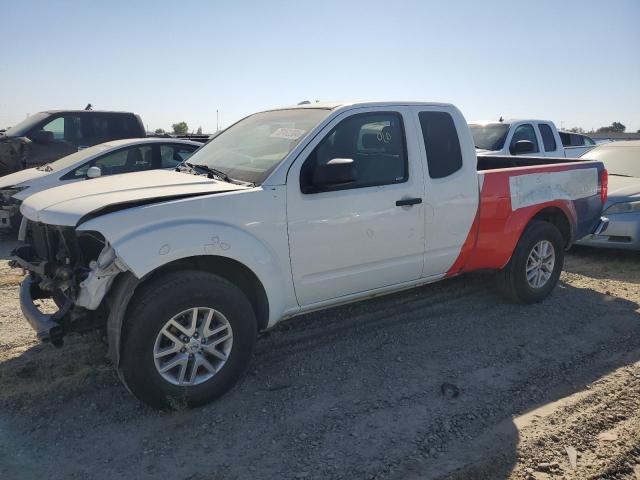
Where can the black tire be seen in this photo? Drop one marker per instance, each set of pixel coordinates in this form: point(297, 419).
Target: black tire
point(157, 302)
point(512, 279)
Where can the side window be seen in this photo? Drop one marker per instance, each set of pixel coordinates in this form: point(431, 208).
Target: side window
point(65, 128)
point(173, 155)
point(121, 126)
point(588, 141)
point(548, 140)
point(375, 143)
point(566, 139)
point(525, 132)
point(56, 127)
point(577, 140)
point(100, 128)
point(132, 159)
point(441, 142)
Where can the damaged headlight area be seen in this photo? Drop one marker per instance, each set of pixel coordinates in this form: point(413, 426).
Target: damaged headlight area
point(73, 268)
point(10, 207)
point(102, 272)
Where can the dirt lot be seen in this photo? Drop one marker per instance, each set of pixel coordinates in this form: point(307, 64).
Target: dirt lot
point(445, 381)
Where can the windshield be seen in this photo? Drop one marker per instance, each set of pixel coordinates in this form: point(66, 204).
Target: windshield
point(22, 128)
point(617, 159)
point(75, 157)
point(490, 136)
point(250, 149)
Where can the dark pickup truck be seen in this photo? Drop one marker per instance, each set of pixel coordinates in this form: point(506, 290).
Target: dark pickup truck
point(48, 136)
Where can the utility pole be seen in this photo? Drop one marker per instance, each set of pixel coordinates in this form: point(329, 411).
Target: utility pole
point(217, 120)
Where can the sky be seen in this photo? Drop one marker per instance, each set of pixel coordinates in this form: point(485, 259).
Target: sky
point(574, 62)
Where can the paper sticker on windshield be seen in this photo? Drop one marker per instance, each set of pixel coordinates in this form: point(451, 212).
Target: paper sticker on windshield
point(288, 133)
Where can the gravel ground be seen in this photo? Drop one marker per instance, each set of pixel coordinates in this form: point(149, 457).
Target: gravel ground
point(444, 381)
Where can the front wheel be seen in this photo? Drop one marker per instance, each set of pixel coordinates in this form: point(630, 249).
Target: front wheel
point(188, 339)
point(535, 266)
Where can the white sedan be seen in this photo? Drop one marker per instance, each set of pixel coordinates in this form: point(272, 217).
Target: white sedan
point(110, 158)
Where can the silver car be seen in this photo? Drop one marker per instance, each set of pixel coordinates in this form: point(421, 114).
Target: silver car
point(622, 161)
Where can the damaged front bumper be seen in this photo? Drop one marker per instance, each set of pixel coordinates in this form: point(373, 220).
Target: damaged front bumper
point(46, 326)
point(57, 260)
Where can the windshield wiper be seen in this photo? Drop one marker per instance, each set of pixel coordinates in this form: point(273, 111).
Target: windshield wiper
point(211, 171)
point(214, 173)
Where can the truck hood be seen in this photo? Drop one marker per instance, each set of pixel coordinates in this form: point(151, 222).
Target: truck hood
point(71, 204)
point(20, 177)
point(622, 189)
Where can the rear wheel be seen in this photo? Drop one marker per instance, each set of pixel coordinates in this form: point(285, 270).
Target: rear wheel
point(535, 266)
point(188, 339)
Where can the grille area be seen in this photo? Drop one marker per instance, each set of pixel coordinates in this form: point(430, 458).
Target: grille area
point(37, 237)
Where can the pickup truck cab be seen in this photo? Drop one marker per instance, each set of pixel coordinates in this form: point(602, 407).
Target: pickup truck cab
point(47, 136)
point(538, 138)
point(285, 212)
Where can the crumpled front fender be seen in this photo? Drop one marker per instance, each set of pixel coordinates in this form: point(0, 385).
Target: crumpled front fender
point(148, 249)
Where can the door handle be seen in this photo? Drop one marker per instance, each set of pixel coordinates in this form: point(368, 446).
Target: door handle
point(407, 202)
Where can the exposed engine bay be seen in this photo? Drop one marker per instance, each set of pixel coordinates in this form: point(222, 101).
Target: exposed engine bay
point(74, 268)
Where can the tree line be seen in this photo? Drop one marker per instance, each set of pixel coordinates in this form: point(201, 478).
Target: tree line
point(615, 127)
point(180, 128)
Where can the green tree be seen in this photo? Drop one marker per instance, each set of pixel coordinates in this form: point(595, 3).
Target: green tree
point(576, 130)
point(180, 128)
point(160, 131)
point(614, 127)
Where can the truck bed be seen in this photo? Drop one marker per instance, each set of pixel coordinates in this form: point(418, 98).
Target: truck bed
point(566, 192)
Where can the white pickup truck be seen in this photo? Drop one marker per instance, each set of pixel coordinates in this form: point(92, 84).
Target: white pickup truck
point(285, 212)
point(522, 137)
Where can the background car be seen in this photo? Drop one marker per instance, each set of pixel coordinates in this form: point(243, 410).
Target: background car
point(48, 136)
point(119, 156)
point(538, 138)
point(571, 139)
point(622, 160)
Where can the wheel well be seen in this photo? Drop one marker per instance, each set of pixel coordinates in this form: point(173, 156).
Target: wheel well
point(558, 218)
point(233, 271)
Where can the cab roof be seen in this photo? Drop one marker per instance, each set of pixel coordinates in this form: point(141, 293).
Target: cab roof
point(88, 111)
point(510, 121)
point(332, 105)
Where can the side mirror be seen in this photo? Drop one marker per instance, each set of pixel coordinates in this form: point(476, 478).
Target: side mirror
point(522, 146)
point(42, 136)
point(94, 172)
point(338, 171)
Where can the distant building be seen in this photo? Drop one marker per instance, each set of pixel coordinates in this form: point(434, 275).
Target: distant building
point(614, 136)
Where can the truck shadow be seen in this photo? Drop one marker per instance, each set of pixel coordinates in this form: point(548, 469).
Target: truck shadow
point(418, 384)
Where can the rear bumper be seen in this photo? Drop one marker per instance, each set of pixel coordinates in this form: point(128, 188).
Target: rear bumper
point(46, 326)
point(622, 232)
